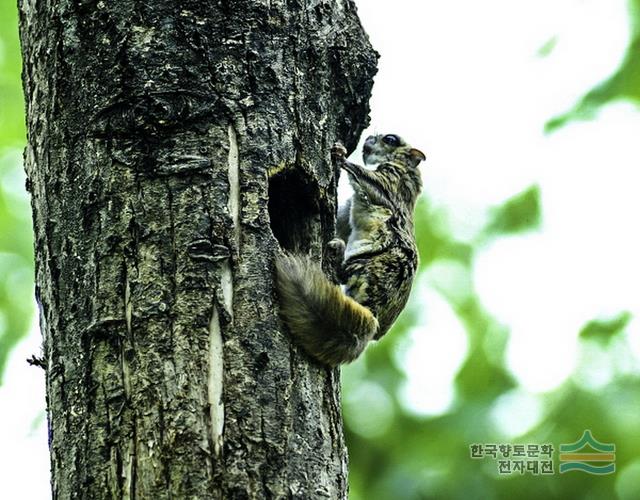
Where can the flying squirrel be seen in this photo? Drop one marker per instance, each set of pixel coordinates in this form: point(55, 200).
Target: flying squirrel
point(376, 266)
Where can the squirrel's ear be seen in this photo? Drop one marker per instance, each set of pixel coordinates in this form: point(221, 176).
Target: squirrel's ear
point(417, 154)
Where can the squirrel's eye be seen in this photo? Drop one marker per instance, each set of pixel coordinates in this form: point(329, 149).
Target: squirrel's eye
point(391, 140)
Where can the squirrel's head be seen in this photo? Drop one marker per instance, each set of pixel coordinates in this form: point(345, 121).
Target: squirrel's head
point(394, 152)
point(381, 148)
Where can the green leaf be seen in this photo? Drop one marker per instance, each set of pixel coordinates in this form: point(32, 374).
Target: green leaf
point(518, 214)
point(604, 330)
point(548, 47)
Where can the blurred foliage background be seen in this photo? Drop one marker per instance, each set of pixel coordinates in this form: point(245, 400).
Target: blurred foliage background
point(396, 451)
point(16, 238)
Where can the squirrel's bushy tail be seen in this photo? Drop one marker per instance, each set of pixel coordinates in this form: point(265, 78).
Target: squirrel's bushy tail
point(328, 324)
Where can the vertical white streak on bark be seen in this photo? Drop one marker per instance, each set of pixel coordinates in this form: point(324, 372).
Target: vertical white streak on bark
point(130, 458)
point(215, 383)
point(128, 309)
point(216, 406)
point(233, 205)
point(127, 472)
point(234, 185)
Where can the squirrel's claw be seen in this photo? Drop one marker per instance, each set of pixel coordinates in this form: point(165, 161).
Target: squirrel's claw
point(338, 151)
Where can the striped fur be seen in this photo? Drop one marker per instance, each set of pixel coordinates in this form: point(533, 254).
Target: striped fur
point(377, 267)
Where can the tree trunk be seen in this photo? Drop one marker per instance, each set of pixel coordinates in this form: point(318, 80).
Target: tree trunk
point(172, 147)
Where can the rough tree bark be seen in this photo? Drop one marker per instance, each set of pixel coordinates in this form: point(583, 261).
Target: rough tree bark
point(172, 147)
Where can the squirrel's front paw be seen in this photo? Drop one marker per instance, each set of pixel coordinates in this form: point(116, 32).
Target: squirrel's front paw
point(338, 151)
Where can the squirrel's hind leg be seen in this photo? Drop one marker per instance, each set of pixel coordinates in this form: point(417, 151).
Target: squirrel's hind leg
point(334, 257)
